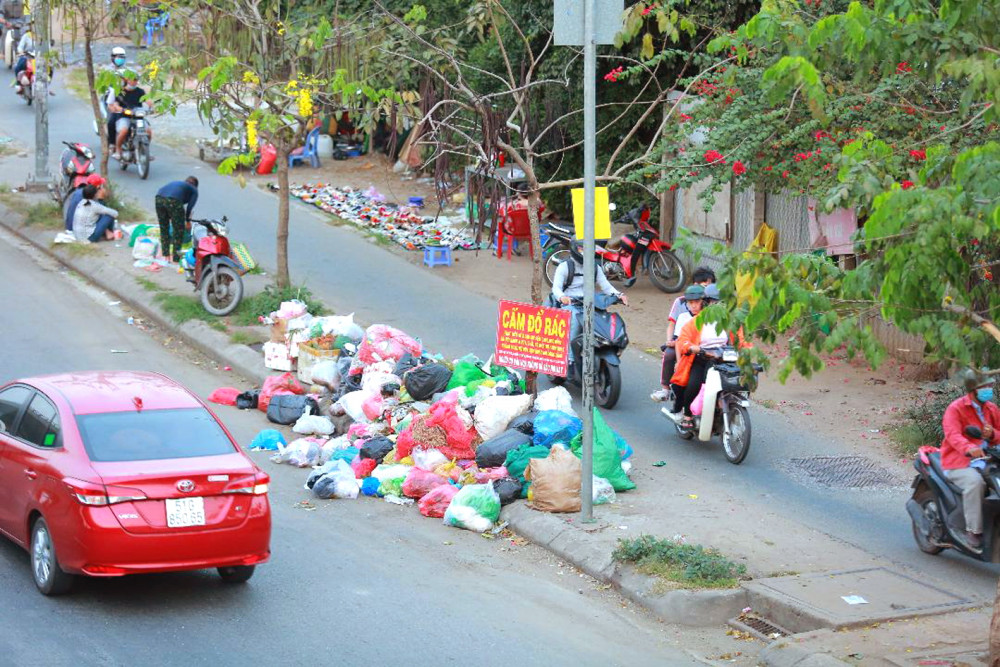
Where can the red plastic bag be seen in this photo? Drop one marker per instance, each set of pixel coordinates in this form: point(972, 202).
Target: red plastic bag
point(384, 343)
point(372, 407)
point(275, 384)
point(224, 396)
point(363, 467)
point(437, 500)
point(445, 415)
point(419, 483)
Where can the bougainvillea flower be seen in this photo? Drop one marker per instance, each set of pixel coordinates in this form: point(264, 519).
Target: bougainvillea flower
point(903, 67)
point(907, 184)
point(739, 168)
point(713, 156)
point(918, 154)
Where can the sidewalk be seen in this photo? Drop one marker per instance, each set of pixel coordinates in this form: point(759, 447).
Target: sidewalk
point(668, 503)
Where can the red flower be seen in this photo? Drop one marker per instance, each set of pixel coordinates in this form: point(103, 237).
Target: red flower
point(613, 75)
point(988, 275)
point(907, 184)
point(784, 174)
point(685, 118)
point(828, 166)
point(903, 67)
point(713, 156)
point(673, 187)
point(942, 128)
point(822, 134)
point(918, 155)
point(738, 168)
point(646, 11)
point(801, 157)
point(768, 168)
point(909, 110)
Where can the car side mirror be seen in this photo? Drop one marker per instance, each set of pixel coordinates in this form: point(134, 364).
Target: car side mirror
point(974, 432)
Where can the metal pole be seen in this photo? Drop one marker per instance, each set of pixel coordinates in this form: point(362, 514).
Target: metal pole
point(40, 19)
point(589, 178)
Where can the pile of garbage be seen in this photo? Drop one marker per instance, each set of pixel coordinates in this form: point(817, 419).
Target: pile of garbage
point(369, 209)
point(384, 418)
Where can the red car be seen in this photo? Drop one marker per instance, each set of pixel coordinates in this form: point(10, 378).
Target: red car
point(113, 473)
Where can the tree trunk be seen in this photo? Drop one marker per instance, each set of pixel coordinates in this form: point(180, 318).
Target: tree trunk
point(995, 631)
point(95, 105)
point(537, 296)
point(282, 278)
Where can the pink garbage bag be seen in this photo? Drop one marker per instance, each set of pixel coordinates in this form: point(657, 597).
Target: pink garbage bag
point(384, 343)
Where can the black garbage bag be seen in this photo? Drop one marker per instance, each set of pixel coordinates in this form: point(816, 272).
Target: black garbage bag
point(326, 486)
point(525, 423)
point(248, 400)
point(424, 381)
point(508, 488)
point(287, 408)
point(376, 448)
point(493, 452)
point(406, 362)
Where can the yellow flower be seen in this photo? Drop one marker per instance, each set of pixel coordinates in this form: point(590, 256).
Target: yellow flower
point(305, 103)
point(250, 77)
point(281, 28)
point(291, 86)
point(252, 134)
point(153, 69)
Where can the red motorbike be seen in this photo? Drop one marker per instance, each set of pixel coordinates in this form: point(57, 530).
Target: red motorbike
point(641, 250)
point(75, 164)
point(210, 268)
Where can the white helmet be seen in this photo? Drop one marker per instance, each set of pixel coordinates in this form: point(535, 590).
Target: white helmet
point(118, 51)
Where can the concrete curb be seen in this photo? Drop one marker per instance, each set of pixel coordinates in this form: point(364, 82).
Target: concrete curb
point(574, 545)
point(784, 653)
point(122, 285)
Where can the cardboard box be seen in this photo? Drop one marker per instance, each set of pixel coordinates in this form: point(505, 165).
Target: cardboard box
point(278, 357)
point(279, 331)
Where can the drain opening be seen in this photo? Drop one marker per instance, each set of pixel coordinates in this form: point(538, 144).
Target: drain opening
point(758, 627)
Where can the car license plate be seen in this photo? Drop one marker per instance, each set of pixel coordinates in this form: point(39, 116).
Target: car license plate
point(183, 512)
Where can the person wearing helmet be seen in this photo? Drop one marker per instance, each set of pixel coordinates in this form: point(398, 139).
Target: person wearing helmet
point(703, 276)
point(959, 452)
point(129, 98)
point(25, 51)
point(567, 285)
point(691, 369)
point(118, 57)
point(118, 60)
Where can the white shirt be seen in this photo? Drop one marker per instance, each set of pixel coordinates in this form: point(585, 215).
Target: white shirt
point(711, 338)
point(575, 288)
point(26, 43)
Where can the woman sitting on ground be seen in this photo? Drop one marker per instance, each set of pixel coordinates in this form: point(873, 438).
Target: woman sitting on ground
point(92, 220)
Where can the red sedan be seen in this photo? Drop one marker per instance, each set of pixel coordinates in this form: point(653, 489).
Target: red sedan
point(113, 473)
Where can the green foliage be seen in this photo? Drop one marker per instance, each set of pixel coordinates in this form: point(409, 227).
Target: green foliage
point(266, 302)
point(925, 416)
point(692, 565)
point(45, 214)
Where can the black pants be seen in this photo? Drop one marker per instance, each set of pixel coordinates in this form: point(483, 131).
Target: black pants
point(686, 395)
point(667, 369)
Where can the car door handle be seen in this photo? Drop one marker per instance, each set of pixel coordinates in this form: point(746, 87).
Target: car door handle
point(30, 474)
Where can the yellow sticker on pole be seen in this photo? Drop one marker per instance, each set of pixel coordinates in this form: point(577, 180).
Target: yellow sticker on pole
point(602, 213)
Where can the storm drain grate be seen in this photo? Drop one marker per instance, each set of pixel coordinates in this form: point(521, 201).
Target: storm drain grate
point(850, 472)
point(758, 627)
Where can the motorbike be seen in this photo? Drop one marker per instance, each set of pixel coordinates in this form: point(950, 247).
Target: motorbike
point(13, 28)
point(622, 260)
point(75, 164)
point(135, 150)
point(25, 85)
point(725, 407)
point(936, 505)
point(210, 268)
point(610, 341)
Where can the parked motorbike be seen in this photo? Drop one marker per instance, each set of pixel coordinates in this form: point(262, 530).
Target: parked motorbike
point(725, 407)
point(135, 150)
point(25, 85)
point(212, 271)
point(75, 164)
point(610, 340)
point(641, 250)
point(936, 505)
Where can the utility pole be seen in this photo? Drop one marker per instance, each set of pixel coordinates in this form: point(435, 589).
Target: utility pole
point(589, 247)
point(40, 18)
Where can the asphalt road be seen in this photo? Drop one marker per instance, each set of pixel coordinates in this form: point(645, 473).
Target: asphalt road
point(352, 274)
point(351, 582)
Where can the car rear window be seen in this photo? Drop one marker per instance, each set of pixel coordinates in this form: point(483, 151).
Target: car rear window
point(152, 434)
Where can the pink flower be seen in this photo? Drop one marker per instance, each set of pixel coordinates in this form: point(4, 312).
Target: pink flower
point(647, 10)
point(907, 184)
point(768, 168)
point(918, 154)
point(713, 156)
point(738, 168)
point(613, 75)
point(822, 134)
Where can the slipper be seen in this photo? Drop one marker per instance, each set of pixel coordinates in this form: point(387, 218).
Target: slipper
point(154, 268)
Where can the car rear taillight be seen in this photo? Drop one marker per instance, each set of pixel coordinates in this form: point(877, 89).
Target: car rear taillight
point(89, 493)
point(256, 485)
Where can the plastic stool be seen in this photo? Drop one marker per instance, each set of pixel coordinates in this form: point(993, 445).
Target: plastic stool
point(437, 255)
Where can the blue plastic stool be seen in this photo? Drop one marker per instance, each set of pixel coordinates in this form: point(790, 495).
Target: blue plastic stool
point(437, 255)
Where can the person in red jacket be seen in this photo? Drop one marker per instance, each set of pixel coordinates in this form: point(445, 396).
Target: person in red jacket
point(959, 451)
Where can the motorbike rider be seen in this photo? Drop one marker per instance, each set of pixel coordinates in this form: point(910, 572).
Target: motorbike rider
point(691, 368)
point(129, 98)
point(118, 60)
point(703, 276)
point(567, 284)
point(959, 452)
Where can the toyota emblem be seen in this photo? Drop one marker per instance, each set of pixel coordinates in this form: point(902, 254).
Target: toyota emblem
point(185, 486)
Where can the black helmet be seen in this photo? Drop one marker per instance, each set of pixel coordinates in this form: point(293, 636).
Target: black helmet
point(576, 253)
point(972, 380)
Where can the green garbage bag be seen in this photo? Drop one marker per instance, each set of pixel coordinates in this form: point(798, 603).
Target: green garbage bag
point(469, 373)
point(140, 230)
point(475, 507)
point(392, 487)
point(607, 458)
point(517, 461)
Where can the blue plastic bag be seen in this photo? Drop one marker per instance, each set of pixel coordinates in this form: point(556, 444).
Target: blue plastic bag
point(552, 426)
point(623, 447)
point(369, 486)
point(346, 454)
point(267, 441)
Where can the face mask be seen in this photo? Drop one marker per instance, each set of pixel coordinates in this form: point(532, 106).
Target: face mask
point(985, 394)
point(119, 61)
point(129, 86)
